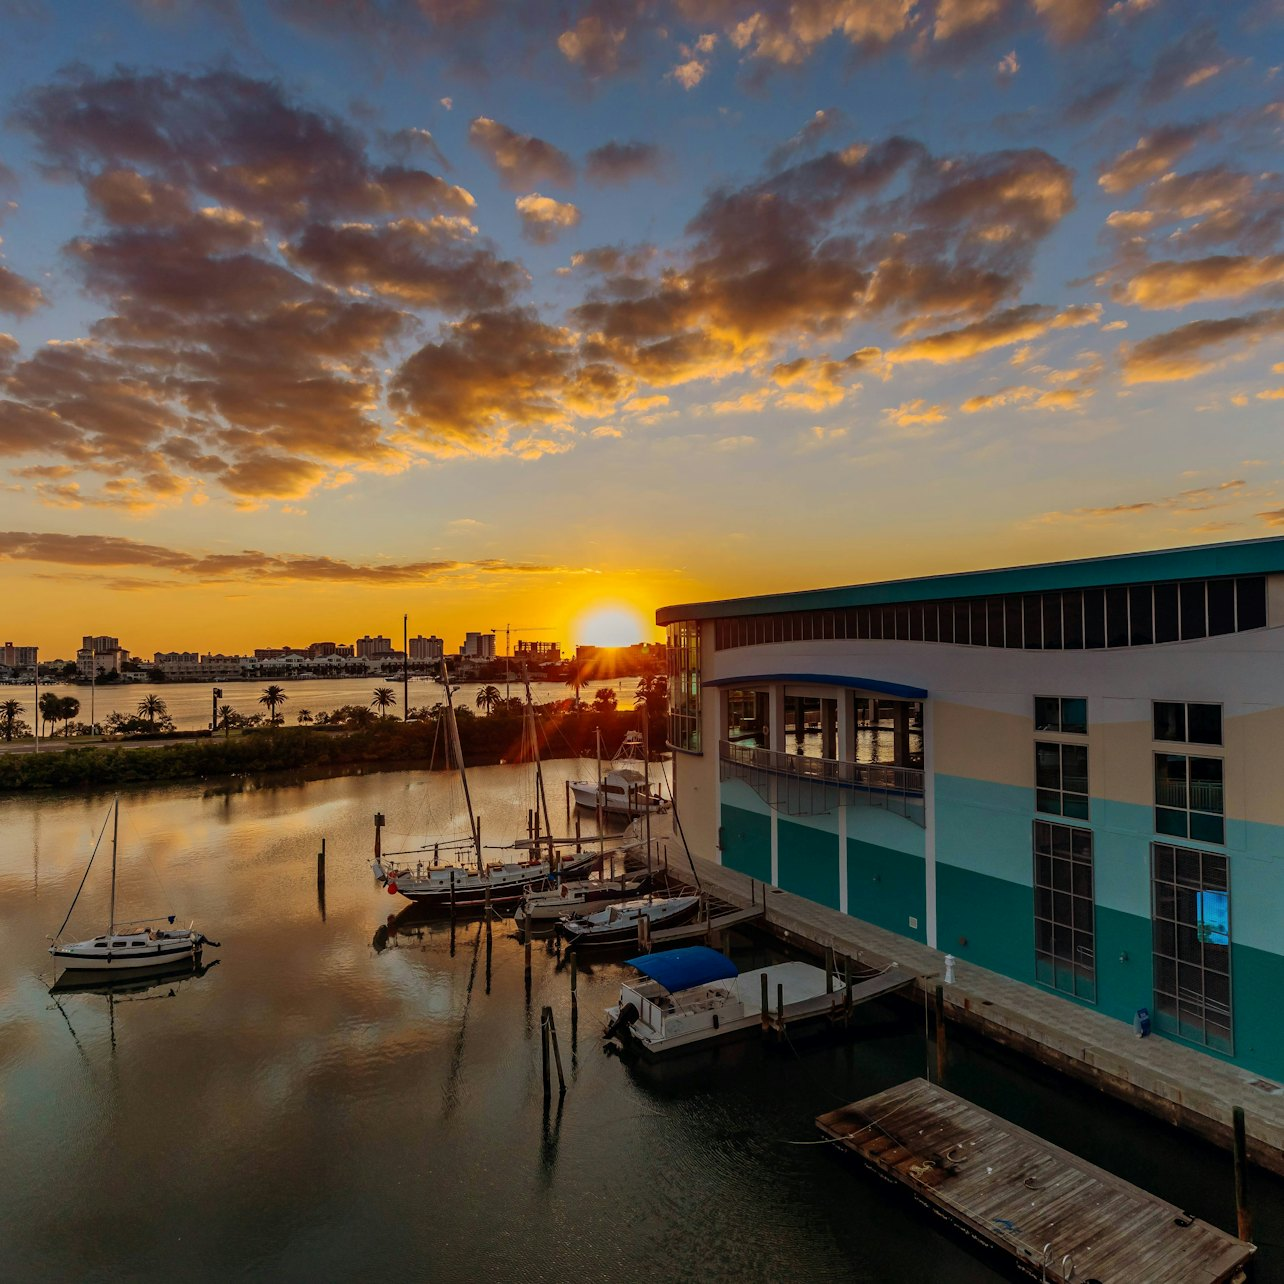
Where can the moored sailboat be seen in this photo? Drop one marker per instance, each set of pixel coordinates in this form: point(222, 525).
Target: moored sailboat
point(133, 948)
point(472, 886)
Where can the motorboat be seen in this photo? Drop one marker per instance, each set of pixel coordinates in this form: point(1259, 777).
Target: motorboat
point(690, 997)
point(618, 924)
point(622, 790)
point(135, 947)
point(552, 903)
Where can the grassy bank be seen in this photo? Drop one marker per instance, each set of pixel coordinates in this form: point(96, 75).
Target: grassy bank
point(485, 740)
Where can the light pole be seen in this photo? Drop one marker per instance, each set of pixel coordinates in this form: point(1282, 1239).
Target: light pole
point(93, 679)
point(217, 696)
point(35, 722)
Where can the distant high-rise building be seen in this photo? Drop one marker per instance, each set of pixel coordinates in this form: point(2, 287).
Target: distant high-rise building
point(539, 652)
point(479, 646)
point(17, 657)
point(427, 648)
point(369, 647)
point(100, 654)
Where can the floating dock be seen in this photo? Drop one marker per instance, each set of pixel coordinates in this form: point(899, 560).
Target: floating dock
point(1058, 1218)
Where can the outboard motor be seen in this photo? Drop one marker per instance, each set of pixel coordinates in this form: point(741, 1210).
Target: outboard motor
point(621, 1027)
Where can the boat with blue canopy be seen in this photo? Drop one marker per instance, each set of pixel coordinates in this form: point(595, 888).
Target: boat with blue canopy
point(687, 998)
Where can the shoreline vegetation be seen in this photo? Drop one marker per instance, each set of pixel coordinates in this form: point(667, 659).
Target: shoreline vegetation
point(485, 741)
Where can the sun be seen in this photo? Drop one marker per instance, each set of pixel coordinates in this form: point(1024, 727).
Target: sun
point(610, 626)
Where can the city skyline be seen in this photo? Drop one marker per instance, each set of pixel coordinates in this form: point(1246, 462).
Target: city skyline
point(496, 314)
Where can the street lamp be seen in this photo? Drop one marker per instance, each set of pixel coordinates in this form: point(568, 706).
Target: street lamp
point(218, 695)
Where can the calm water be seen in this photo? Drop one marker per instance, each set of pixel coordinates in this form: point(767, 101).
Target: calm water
point(189, 702)
point(315, 1108)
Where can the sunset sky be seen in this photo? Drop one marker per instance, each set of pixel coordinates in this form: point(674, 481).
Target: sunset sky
point(314, 313)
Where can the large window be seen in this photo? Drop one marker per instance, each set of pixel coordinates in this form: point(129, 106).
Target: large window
point(1192, 951)
point(1068, 715)
point(684, 686)
point(1196, 724)
point(1064, 620)
point(1061, 779)
point(1064, 936)
point(1188, 797)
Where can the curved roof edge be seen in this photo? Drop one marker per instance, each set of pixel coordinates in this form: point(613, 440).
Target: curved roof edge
point(827, 680)
point(1201, 561)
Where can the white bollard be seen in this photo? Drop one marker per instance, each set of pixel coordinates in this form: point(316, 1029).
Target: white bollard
point(949, 969)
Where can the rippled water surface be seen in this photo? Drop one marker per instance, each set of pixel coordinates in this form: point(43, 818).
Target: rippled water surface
point(314, 1107)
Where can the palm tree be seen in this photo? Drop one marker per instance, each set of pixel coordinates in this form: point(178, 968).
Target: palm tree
point(10, 711)
point(226, 715)
point(272, 696)
point(604, 700)
point(577, 674)
point(488, 697)
point(303, 717)
point(50, 707)
point(68, 707)
point(152, 707)
point(383, 699)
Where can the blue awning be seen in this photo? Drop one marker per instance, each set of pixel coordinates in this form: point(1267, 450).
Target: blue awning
point(681, 969)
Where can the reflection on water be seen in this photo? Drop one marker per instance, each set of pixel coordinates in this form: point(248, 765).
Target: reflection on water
point(350, 1090)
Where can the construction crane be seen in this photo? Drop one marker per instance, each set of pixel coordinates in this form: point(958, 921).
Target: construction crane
point(508, 637)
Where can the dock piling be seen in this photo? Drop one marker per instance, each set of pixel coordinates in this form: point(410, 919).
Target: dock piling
point(452, 895)
point(321, 867)
point(543, 1054)
point(1243, 1214)
point(574, 978)
point(940, 1035)
point(579, 847)
point(557, 1053)
point(765, 1010)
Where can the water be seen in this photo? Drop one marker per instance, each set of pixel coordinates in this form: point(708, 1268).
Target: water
point(315, 1108)
point(189, 703)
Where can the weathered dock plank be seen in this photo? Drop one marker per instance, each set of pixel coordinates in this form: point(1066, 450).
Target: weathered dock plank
point(1057, 1216)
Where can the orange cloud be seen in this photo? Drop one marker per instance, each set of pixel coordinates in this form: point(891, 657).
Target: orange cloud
point(544, 219)
point(1196, 348)
point(520, 159)
point(1153, 155)
point(1015, 325)
point(1174, 284)
point(915, 413)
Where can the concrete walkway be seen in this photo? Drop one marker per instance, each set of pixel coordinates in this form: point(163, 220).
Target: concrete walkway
point(1178, 1083)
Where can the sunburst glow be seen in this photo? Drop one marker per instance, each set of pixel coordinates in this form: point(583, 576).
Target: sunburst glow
point(610, 626)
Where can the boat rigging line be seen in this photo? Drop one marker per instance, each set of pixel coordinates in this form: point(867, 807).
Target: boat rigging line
point(85, 875)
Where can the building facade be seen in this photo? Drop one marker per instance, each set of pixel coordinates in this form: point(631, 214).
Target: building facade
point(479, 646)
point(1064, 773)
point(430, 648)
point(100, 654)
point(18, 657)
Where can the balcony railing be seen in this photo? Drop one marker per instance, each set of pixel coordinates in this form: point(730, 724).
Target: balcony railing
point(802, 786)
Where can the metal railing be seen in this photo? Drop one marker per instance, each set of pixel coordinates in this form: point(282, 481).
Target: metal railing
point(803, 786)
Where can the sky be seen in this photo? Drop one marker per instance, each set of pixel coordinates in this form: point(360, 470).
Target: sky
point(316, 313)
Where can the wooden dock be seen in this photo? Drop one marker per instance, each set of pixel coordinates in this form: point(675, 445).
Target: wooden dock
point(716, 921)
point(1056, 1216)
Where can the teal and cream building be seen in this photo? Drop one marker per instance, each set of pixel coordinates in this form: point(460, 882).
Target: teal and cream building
point(1071, 774)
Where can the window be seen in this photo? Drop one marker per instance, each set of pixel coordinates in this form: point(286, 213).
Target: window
point(1064, 936)
point(1061, 713)
point(685, 704)
point(1191, 913)
point(1197, 724)
point(1119, 616)
point(1188, 797)
point(1061, 779)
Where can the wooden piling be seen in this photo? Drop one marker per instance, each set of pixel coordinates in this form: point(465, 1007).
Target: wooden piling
point(762, 1003)
point(321, 866)
point(527, 934)
point(578, 845)
point(940, 1035)
point(543, 1051)
point(780, 1012)
point(488, 911)
point(452, 895)
point(829, 969)
point(574, 978)
point(557, 1052)
point(1243, 1214)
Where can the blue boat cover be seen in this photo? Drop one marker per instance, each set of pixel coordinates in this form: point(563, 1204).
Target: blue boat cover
point(681, 969)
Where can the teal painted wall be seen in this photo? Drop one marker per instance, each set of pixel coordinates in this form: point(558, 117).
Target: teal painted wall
point(746, 842)
point(808, 861)
point(988, 921)
point(887, 888)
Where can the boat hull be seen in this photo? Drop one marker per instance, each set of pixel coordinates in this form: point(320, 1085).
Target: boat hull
point(470, 892)
point(586, 795)
point(153, 956)
point(579, 933)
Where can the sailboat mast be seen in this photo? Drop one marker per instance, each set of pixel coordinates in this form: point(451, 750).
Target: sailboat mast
point(646, 778)
point(453, 727)
point(115, 832)
point(541, 798)
point(601, 817)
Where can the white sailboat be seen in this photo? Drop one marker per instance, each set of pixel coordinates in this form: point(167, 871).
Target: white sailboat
point(472, 886)
point(132, 948)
